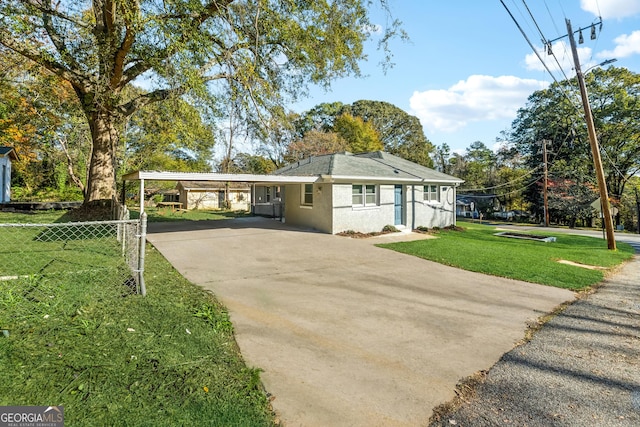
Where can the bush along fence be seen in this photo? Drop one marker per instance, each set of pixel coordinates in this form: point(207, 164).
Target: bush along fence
point(110, 252)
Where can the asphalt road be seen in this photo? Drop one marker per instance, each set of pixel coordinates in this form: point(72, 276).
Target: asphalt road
point(581, 369)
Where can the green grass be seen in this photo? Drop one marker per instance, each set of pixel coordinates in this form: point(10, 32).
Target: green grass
point(478, 249)
point(34, 217)
point(112, 358)
point(168, 214)
point(59, 249)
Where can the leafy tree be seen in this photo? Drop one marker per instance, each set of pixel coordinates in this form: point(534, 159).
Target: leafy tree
point(320, 118)
point(100, 47)
point(554, 115)
point(570, 201)
point(276, 136)
point(183, 143)
point(360, 136)
point(479, 167)
point(630, 205)
point(401, 133)
point(315, 143)
point(40, 118)
point(442, 158)
point(250, 163)
point(615, 100)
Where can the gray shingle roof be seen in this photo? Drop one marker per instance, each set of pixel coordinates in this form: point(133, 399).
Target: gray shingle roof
point(8, 151)
point(373, 165)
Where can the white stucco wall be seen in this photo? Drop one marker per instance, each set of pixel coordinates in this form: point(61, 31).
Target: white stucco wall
point(333, 210)
point(433, 214)
point(317, 216)
point(363, 219)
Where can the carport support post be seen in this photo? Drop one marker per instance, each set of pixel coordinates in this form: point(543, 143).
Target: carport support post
point(142, 243)
point(141, 197)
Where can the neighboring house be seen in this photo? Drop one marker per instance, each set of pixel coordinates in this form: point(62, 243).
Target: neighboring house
point(365, 192)
point(473, 205)
point(466, 207)
point(7, 155)
point(211, 195)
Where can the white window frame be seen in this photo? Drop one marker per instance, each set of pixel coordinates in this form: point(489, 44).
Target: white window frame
point(429, 195)
point(364, 195)
point(305, 193)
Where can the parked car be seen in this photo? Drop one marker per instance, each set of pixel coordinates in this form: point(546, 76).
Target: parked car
point(469, 214)
point(508, 215)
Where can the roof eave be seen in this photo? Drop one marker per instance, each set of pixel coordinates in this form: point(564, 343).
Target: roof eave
point(219, 177)
point(356, 178)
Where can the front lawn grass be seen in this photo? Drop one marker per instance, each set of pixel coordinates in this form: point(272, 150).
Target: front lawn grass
point(113, 358)
point(167, 214)
point(478, 249)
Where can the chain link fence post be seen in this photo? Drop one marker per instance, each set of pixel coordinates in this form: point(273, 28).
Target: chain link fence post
point(142, 243)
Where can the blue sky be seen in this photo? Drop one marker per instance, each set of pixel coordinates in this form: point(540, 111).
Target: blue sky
point(467, 68)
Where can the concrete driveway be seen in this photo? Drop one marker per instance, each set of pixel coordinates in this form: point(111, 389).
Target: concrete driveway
point(349, 334)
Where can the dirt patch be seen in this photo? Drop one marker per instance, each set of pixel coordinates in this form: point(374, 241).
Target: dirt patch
point(577, 264)
point(465, 391)
point(359, 235)
point(392, 230)
point(526, 236)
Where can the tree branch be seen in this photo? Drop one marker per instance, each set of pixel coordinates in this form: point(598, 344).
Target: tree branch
point(123, 50)
point(57, 41)
point(38, 5)
point(213, 8)
point(135, 104)
point(77, 79)
point(72, 175)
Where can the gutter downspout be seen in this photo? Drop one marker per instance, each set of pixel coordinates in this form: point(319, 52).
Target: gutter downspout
point(413, 207)
point(453, 210)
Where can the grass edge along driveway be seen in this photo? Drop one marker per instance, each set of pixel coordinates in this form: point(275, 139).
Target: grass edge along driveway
point(112, 358)
point(477, 248)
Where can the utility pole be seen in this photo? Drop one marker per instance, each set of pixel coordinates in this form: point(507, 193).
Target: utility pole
point(545, 184)
point(595, 150)
point(638, 208)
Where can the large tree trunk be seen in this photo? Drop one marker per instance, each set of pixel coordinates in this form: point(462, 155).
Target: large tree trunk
point(101, 182)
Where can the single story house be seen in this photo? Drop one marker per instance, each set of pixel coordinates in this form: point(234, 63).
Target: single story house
point(212, 195)
point(341, 192)
point(7, 155)
point(474, 205)
point(365, 192)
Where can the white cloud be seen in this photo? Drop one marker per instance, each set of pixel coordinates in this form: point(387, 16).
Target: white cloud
point(562, 52)
point(616, 9)
point(479, 98)
point(626, 45)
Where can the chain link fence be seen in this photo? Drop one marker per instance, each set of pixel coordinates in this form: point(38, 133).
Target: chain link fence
point(109, 251)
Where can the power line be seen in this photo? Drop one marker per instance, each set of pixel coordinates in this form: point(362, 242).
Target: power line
point(528, 41)
point(544, 40)
point(505, 184)
point(553, 21)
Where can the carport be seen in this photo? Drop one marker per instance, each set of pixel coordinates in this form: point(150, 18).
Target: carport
point(252, 179)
